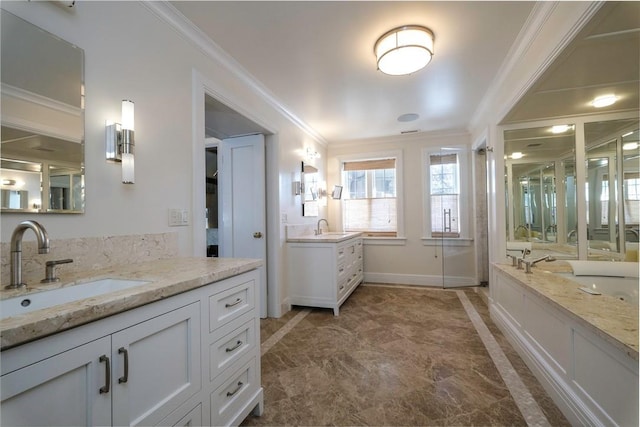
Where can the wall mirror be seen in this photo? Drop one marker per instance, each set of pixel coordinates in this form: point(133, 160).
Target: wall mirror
point(42, 146)
point(541, 190)
point(612, 187)
point(310, 190)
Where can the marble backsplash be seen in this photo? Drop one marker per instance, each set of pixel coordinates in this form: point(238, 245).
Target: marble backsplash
point(88, 253)
point(299, 230)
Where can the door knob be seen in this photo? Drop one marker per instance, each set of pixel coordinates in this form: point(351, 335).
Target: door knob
point(257, 235)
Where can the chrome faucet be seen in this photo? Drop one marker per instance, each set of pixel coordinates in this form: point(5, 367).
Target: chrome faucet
point(16, 249)
point(529, 264)
point(318, 229)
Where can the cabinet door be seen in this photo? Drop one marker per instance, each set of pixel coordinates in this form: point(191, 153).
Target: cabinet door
point(156, 366)
point(63, 390)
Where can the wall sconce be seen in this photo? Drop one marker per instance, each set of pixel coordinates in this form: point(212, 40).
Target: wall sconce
point(120, 142)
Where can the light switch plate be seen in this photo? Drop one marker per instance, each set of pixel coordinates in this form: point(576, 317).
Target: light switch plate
point(178, 217)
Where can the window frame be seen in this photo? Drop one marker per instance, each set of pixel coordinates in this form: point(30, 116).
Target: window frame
point(398, 156)
point(464, 202)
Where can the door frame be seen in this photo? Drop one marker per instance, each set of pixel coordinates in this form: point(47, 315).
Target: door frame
point(201, 87)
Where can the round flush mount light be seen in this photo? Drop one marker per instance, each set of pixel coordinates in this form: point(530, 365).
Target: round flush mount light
point(404, 50)
point(604, 100)
point(409, 117)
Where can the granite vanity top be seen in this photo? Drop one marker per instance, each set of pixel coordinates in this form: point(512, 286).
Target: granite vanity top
point(611, 319)
point(326, 237)
point(167, 277)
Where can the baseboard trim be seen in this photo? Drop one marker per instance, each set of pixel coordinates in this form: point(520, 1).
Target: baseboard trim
point(419, 279)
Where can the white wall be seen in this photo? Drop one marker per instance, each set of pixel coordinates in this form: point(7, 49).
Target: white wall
point(410, 262)
point(131, 53)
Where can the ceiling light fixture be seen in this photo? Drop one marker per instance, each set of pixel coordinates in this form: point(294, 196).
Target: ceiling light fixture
point(560, 128)
point(604, 100)
point(630, 146)
point(404, 50)
point(517, 155)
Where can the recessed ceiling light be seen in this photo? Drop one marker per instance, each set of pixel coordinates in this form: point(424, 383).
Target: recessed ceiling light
point(604, 100)
point(560, 128)
point(409, 117)
point(517, 155)
point(630, 146)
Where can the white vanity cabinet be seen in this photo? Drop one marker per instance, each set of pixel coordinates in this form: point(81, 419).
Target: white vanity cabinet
point(154, 365)
point(324, 273)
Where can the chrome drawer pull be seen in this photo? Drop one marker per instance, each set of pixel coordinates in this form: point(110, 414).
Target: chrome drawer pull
point(231, 393)
point(238, 301)
point(107, 374)
point(238, 344)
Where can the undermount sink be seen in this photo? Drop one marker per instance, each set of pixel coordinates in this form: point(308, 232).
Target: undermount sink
point(45, 299)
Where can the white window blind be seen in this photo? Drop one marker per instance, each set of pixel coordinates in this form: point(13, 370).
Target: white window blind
point(370, 203)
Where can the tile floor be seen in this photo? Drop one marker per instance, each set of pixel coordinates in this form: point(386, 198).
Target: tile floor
point(394, 356)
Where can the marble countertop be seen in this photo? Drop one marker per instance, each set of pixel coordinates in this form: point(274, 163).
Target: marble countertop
point(326, 237)
point(611, 319)
point(167, 277)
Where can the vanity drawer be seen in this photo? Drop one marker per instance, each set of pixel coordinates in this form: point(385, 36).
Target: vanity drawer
point(343, 285)
point(230, 304)
point(341, 253)
point(343, 272)
point(233, 394)
point(231, 347)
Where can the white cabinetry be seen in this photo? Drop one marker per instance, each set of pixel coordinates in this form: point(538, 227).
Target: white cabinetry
point(160, 364)
point(591, 381)
point(324, 274)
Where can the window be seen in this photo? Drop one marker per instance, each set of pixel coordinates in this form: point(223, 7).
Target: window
point(445, 190)
point(370, 197)
point(445, 195)
point(631, 198)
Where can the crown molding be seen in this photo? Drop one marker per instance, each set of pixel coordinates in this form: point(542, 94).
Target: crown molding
point(530, 32)
point(413, 137)
point(187, 29)
point(40, 100)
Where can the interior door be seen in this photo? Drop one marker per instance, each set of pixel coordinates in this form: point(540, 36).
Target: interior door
point(242, 225)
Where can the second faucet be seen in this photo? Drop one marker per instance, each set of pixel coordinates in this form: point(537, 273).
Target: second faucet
point(318, 229)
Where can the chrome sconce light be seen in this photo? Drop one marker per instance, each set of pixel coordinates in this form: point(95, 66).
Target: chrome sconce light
point(120, 142)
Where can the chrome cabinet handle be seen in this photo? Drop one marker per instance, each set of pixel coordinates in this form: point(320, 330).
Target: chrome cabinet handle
point(125, 377)
point(238, 301)
point(231, 393)
point(238, 344)
point(107, 374)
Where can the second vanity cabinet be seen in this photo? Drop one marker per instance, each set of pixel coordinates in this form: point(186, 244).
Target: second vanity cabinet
point(323, 273)
point(191, 359)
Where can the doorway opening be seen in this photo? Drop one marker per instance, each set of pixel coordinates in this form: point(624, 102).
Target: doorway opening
point(211, 194)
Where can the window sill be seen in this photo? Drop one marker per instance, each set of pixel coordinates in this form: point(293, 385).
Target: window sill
point(384, 241)
point(446, 241)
